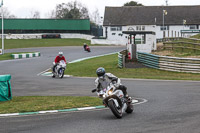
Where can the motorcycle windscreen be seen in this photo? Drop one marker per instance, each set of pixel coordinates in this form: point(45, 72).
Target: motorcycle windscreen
point(5, 88)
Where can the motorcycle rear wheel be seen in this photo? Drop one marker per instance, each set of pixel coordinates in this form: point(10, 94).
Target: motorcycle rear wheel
point(115, 111)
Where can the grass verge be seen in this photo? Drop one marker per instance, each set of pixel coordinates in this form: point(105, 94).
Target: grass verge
point(88, 68)
point(41, 103)
point(29, 43)
point(8, 56)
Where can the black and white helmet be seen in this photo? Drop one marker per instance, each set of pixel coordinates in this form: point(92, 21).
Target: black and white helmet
point(100, 71)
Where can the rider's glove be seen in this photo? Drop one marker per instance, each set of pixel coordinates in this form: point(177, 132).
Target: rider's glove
point(94, 90)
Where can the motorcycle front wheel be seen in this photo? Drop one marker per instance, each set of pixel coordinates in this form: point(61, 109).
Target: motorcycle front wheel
point(61, 73)
point(117, 112)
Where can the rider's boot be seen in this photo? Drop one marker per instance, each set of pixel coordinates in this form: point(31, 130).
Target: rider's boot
point(104, 104)
point(129, 99)
point(53, 76)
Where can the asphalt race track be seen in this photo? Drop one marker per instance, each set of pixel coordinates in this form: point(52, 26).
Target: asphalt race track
point(172, 107)
point(25, 81)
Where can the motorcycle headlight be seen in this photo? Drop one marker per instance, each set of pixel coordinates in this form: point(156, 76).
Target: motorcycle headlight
point(109, 92)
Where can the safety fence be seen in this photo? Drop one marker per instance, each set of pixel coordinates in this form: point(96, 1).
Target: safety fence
point(191, 65)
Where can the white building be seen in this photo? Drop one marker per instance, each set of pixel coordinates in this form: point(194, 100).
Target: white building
point(165, 21)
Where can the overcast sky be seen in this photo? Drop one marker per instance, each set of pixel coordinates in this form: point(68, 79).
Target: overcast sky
point(23, 8)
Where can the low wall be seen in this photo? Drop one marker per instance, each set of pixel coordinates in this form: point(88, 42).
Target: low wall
point(23, 36)
point(81, 36)
point(39, 36)
point(146, 48)
point(108, 42)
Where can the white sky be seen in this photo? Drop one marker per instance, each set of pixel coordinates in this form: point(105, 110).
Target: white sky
point(23, 8)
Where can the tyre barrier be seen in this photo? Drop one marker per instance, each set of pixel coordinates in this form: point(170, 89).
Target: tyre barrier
point(121, 59)
point(25, 55)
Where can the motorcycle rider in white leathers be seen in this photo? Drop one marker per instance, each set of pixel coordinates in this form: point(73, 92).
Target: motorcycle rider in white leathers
point(104, 79)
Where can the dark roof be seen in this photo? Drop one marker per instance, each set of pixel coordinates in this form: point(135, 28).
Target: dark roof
point(145, 15)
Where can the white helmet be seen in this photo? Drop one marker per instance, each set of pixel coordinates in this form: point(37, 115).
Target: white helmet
point(60, 53)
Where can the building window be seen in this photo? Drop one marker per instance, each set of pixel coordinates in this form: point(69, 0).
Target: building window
point(118, 28)
point(193, 27)
point(143, 28)
point(164, 28)
point(140, 28)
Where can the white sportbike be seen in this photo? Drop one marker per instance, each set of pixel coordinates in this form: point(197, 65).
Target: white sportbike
point(59, 69)
point(115, 100)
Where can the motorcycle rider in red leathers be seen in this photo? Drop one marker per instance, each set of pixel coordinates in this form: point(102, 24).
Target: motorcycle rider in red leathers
point(57, 60)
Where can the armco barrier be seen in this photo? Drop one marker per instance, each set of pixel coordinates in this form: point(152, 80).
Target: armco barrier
point(191, 65)
point(25, 55)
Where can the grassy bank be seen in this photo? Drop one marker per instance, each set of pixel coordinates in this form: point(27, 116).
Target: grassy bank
point(88, 68)
point(41, 103)
point(196, 36)
point(28, 43)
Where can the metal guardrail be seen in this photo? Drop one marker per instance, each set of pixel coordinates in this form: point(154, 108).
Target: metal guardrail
point(191, 65)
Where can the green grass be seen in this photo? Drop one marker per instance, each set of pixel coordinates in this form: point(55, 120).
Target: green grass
point(8, 56)
point(88, 68)
point(196, 36)
point(41, 103)
point(28, 43)
point(179, 52)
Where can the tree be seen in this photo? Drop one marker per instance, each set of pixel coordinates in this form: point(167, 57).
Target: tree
point(71, 10)
point(6, 13)
point(133, 3)
point(35, 14)
point(95, 17)
point(51, 14)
